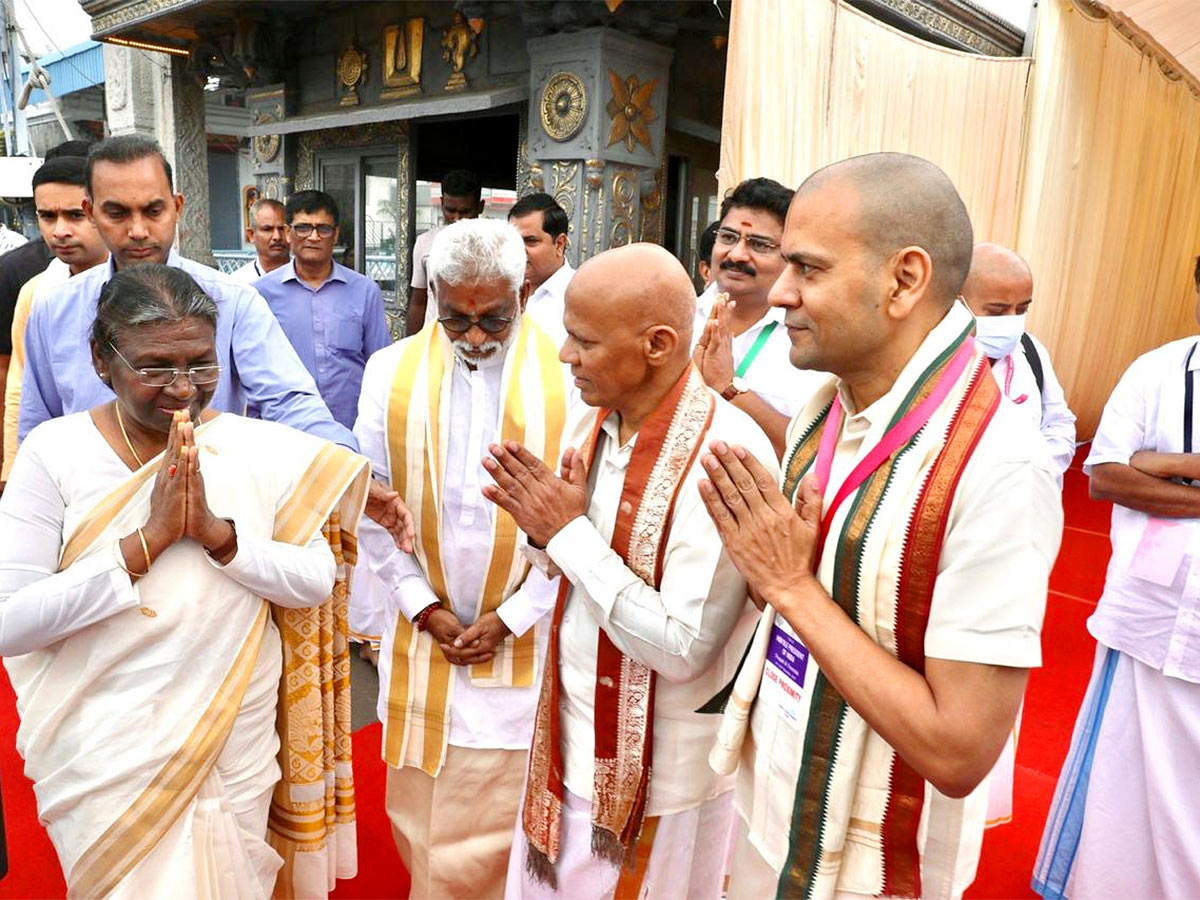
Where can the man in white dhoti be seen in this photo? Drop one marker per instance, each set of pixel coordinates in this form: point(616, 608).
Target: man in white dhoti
point(464, 636)
point(905, 561)
point(651, 619)
point(151, 673)
point(1125, 821)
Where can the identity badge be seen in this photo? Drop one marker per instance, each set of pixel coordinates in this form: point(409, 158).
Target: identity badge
point(784, 674)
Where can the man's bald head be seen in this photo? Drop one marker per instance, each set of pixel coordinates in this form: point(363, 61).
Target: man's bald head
point(1000, 282)
point(640, 285)
point(628, 316)
point(906, 201)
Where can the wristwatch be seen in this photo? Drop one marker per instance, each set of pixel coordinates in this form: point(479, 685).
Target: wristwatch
point(737, 386)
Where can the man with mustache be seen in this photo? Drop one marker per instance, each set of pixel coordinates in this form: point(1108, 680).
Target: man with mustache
point(465, 632)
point(58, 195)
point(267, 232)
point(741, 346)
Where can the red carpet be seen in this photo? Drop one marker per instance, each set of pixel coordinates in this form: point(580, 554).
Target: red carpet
point(1055, 692)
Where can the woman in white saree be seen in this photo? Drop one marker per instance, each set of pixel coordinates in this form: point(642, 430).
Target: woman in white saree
point(140, 544)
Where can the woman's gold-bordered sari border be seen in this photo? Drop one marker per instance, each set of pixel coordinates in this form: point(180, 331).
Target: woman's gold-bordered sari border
point(134, 834)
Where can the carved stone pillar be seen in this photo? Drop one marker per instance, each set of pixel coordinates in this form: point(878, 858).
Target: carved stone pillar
point(131, 80)
point(597, 116)
point(189, 147)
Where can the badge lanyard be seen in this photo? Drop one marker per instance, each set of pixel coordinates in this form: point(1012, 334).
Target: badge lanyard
point(753, 352)
point(895, 438)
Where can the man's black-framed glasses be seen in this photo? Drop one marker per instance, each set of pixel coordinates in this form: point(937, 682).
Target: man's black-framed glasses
point(489, 324)
point(200, 376)
point(761, 246)
point(304, 229)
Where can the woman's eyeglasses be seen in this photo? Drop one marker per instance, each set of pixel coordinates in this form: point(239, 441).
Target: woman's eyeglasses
point(200, 376)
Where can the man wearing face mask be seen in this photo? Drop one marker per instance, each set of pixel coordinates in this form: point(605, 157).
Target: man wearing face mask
point(999, 291)
point(465, 630)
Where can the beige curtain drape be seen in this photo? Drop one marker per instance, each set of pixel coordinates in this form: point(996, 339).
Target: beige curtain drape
point(809, 82)
point(1089, 164)
point(1110, 206)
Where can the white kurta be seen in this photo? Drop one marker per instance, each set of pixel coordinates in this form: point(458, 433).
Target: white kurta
point(692, 632)
point(1125, 819)
point(1047, 408)
point(771, 374)
point(485, 718)
point(1001, 541)
point(547, 303)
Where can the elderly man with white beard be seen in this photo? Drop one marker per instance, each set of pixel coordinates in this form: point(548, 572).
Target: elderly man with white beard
point(466, 627)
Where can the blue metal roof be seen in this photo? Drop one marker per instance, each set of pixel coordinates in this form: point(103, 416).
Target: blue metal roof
point(72, 69)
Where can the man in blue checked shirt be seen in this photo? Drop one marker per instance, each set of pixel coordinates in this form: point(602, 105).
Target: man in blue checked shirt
point(332, 315)
point(131, 200)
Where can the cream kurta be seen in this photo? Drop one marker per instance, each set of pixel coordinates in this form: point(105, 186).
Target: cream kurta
point(691, 632)
point(1001, 540)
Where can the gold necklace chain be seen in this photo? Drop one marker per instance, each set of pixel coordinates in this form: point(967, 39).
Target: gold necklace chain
point(124, 434)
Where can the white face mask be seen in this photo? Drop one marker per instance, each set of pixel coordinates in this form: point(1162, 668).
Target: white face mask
point(999, 335)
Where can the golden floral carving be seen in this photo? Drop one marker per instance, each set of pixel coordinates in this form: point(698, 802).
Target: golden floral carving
point(631, 110)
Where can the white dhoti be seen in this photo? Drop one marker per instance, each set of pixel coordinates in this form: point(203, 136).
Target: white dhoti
point(368, 613)
point(454, 831)
point(1001, 779)
point(1126, 815)
point(678, 855)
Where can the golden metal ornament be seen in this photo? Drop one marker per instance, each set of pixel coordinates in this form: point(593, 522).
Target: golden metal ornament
point(631, 109)
point(403, 45)
point(459, 41)
point(351, 68)
point(563, 106)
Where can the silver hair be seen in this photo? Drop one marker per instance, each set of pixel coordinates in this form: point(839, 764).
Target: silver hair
point(477, 250)
point(147, 295)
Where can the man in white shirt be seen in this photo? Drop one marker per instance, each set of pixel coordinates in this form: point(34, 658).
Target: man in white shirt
point(905, 562)
point(267, 232)
point(741, 346)
point(653, 618)
point(1125, 821)
point(543, 227)
point(464, 639)
point(462, 198)
point(999, 291)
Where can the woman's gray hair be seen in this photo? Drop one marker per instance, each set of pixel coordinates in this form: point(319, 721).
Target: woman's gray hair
point(147, 294)
point(477, 250)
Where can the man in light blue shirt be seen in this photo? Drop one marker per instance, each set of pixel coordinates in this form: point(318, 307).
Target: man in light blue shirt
point(131, 200)
point(332, 315)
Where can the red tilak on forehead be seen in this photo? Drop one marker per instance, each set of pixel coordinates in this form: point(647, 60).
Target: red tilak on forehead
point(472, 305)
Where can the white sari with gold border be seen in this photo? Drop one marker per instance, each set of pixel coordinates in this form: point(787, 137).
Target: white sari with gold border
point(123, 721)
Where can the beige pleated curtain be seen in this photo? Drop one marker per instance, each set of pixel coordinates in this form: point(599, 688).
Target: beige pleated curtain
point(1087, 160)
